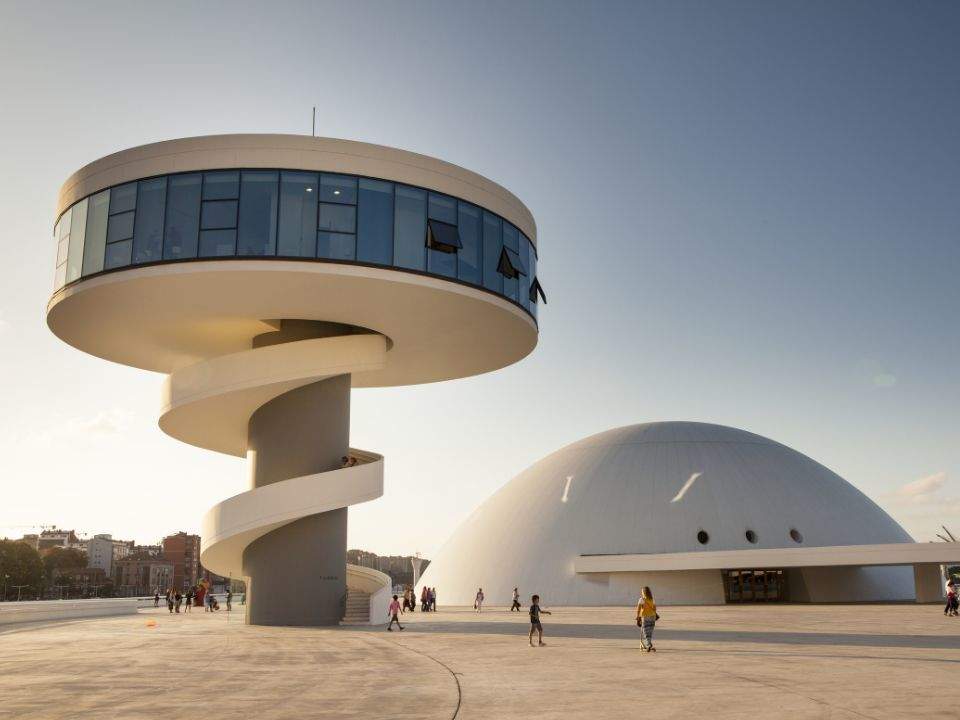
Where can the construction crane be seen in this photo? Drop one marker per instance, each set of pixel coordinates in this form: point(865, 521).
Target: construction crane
point(949, 538)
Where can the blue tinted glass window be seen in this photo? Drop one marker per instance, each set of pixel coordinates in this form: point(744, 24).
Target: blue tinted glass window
point(94, 245)
point(219, 214)
point(148, 240)
point(375, 222)
point(298, 214)
point(511, 239)
point(338, 189)
point(524, 280)
point(123, 198)
point(338, 218)
point(492, 244)
point(183, 216)
point(120, 227)
point(217, 243)
point(444, 242)
point(468, 261)
point(443, 208)
point(338, 246)
point(63, 227)
point(75, 254)
point(410, 228)
point(118, 254)
point(221, 185)
point(259, 200)
point(532, 274)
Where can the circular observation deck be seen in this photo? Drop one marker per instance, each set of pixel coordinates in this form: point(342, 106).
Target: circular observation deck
point(177, 252)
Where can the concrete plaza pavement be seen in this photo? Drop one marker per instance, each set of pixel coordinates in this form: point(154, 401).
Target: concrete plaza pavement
point(792, 661)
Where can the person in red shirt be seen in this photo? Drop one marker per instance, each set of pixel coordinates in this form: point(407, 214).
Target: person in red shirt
point(393, 612)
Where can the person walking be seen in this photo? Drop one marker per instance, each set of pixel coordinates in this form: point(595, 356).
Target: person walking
point(516, 600)
point(535, 611)
point(393, 613)
point(478, 601)
point(188, 601)
point(156, 599)
point(170, 599)
point(950, 609)
point(229, 599)
point(432, 598)
point(424, 606)
point(646, 619)
point(210, 601)
point(179, 600)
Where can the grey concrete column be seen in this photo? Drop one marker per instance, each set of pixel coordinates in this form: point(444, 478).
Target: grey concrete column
point(929, 583)
point(297, 573)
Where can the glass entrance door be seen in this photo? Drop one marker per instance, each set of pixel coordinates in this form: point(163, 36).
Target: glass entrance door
point(742, 586)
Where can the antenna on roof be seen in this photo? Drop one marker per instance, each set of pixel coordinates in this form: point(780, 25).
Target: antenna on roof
point(313, 129)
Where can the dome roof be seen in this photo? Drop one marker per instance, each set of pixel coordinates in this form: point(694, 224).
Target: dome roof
point(662, 487)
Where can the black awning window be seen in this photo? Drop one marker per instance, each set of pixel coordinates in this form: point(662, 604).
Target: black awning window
point(537, 289)
point(510, 264)
point(443, 237)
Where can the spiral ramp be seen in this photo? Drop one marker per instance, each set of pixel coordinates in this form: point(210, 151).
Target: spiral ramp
point(210, 405)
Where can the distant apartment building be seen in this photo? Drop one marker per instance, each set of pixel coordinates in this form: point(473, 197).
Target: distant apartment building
point(143, 576)
point(54, 538)
point(183, 550)
point(103, 551)
point(146, 551)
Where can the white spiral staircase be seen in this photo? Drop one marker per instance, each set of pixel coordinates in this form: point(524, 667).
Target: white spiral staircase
point(209, 404)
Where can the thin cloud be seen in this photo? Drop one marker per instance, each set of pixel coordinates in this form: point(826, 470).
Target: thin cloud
point(110, 422)
point(921, 490)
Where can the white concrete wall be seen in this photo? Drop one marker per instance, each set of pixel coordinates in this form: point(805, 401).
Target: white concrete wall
point(850, 584)
point(378, 585)
point(684, 587)
point(379, 605)
point(929, 580)
point(47, 610)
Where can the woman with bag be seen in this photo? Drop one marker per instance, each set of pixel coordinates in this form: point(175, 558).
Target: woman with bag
point(646, 619)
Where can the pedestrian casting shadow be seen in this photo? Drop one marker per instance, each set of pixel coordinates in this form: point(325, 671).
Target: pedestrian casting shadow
point(664, 632)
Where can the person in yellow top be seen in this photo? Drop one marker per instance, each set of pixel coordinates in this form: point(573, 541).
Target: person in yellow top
point(646, 619)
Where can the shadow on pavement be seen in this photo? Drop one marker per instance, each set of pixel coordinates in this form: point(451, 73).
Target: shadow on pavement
point(664, 632)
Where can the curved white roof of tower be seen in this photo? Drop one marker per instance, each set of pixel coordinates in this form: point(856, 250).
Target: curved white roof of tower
point(649, 489)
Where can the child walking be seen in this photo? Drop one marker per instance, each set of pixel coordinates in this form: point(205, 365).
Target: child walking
point(394, 610)
point(535, 611)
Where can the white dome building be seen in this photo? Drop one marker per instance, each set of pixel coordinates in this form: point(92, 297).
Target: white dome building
point(702, 513)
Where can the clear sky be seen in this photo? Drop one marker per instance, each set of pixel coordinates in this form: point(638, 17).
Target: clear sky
point(748, 214)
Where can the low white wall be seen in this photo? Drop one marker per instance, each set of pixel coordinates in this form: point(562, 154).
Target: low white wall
point(380, 605)
point(378, 585)
point(45, 610)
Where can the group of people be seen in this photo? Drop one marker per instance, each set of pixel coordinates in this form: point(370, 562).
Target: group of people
point(348, 461)
point(176, 599)
point(428, 600)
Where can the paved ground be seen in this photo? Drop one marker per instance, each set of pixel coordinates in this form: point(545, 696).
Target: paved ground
point(718, 662)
